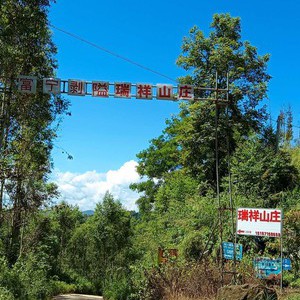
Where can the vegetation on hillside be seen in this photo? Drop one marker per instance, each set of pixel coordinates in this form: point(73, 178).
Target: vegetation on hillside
point(49, 249)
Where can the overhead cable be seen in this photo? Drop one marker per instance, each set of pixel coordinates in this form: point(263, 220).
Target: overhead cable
point(111, 52)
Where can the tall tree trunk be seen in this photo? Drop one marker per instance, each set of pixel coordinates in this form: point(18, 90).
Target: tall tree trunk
point(16, 225)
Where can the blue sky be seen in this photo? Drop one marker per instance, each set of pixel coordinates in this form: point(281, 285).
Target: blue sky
point(104, 135)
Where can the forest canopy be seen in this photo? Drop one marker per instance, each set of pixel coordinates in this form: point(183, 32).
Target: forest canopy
point(210, 159)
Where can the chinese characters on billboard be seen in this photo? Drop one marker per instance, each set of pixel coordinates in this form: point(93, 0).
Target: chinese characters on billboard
point(100, 89)
point(228, 250)
point(27, 84)
point(51, 86)
point(259, 222)
point(104, 89)
point(267, 268)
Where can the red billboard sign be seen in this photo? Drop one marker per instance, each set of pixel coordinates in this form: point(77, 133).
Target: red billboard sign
point(259, 222)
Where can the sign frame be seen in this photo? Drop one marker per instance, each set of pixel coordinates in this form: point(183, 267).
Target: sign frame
point(268, 268)
point(259, 222)
point(228, 250)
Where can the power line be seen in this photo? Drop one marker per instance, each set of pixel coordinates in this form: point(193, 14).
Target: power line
point(126, 59)
point(112, 53)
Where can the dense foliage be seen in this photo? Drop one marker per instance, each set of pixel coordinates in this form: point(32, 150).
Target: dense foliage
point(46, 250)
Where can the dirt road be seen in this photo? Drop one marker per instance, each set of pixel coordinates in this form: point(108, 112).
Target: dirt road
point(77, 297)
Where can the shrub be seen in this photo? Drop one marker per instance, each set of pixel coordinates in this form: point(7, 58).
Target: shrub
point(61, 287)
point(116, 286)
point(172, 281)
point(6, 294)
point(293, 297)
point(9, 280)
point(295, 283)
point(32, 271)
point(83, 285)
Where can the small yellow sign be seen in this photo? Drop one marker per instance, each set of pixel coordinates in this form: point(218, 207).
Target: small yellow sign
point(164, 255)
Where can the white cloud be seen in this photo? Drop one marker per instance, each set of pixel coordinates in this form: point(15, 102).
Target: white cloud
point(87, 189)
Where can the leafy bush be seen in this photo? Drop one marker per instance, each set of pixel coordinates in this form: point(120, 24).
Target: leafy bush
point(116, 286)
point(61, 287)
point(295, 283)
point(78, 283)
point(32, 272)
point(83, 285)
point(6, 294)
point(293, 297)
point(9, 280)
point(171, 281)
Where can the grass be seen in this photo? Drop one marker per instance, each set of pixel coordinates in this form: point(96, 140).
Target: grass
point(290, 294)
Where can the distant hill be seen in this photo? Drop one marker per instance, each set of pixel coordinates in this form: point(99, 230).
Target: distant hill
point(88, 212)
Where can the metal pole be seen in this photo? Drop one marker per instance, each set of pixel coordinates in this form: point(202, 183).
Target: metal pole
point(230, 182)
point(281, 251)
point(217, 177)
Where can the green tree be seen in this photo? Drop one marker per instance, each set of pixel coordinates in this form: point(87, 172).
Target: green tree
point(64, 219)
point(189, 140)
point(225, 53)
point(112, 235)
point(81, 251)
point(295, 156)
point(292, 238)
point(100, 250)
point(27, 127)
point(259, 172)
point(284, 133)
